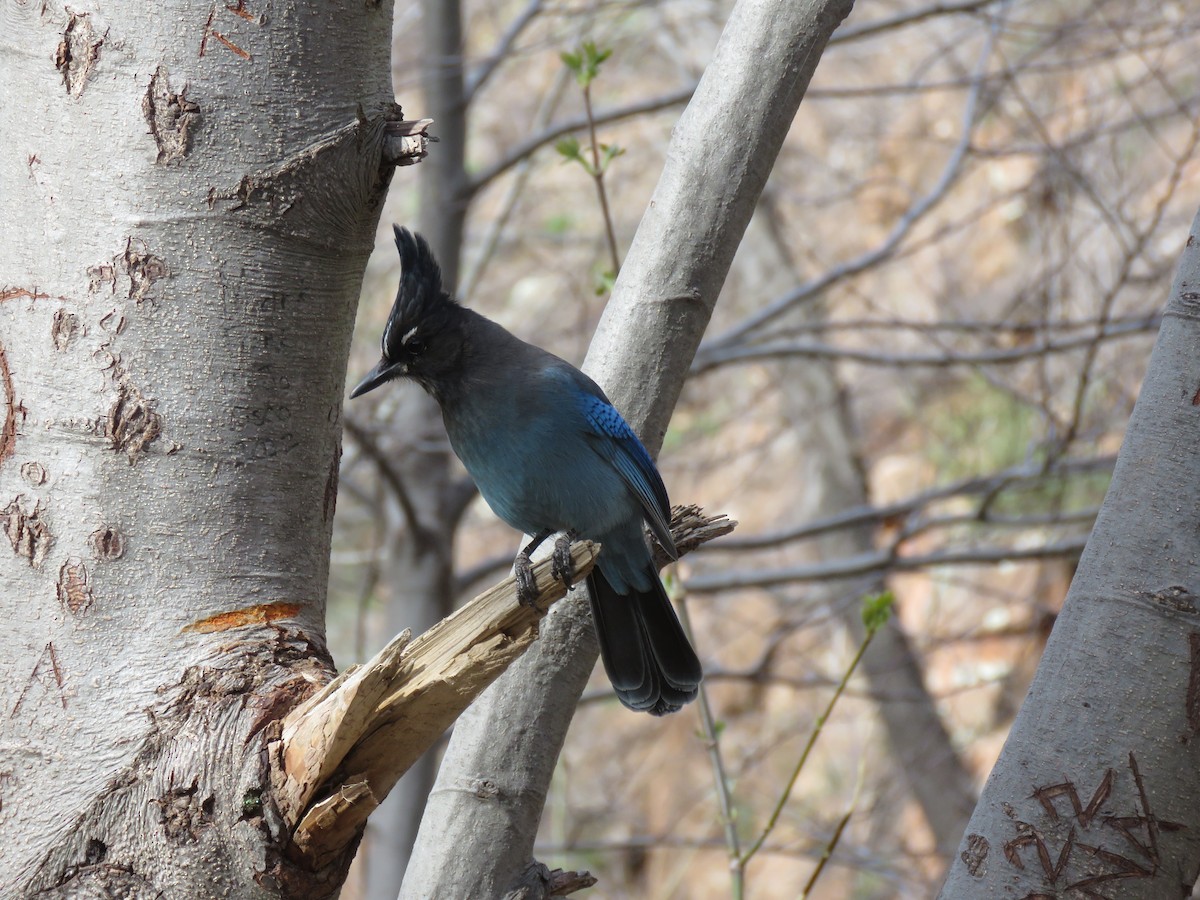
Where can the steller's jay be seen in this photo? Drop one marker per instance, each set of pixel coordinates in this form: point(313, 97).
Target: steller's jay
point(549, 454)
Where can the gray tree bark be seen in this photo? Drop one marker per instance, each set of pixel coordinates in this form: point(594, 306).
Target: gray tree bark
point(1097, 789)
point(480, 822)
point(191, 193)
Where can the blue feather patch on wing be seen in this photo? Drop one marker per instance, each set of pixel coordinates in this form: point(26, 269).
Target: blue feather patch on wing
point(617, 443)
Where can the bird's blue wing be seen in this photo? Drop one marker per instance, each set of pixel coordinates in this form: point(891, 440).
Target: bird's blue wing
point(616, 442)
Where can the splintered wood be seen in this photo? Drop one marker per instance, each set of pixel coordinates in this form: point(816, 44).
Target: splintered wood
point(344, 748)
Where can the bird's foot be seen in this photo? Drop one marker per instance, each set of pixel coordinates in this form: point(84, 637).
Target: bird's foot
point(527, 589)
point(562, 566)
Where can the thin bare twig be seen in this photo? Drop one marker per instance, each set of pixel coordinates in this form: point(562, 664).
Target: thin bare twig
point(712, 743)
point(880, 561)
point(902, 20)
point(737, 355)
point(814, 734)
point(553, 133)
point(478, 78)
point(917, 211)
point(598, 177)
point(1027, 473)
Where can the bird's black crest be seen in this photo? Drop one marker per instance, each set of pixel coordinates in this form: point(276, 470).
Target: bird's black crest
point(416, 259)
point(421, 303)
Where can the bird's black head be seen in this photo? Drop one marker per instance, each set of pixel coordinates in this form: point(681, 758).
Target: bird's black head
point(423, 338)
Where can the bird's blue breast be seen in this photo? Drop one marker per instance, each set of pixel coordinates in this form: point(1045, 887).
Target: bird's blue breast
point(528, 449)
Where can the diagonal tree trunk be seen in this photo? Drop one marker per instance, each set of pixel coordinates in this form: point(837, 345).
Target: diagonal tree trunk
point(191, 193)
point(477, 835)
point(1097, 789)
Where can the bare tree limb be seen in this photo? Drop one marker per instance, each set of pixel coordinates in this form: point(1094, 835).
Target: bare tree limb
point(881, 561)
point(950, 173)
point(869, 514)
point(477, 79)
point(741, 354)
point(904, 19)
point(371, 449)
point(602, 117)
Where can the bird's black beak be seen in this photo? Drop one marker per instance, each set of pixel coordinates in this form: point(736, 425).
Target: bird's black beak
point(383, 371)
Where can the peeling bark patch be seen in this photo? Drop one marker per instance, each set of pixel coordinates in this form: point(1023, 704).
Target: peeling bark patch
point(132, 422)
point(485, 789)
point(1196, 398)
point(46, 665)
point(183, 815)
point(331, 487)
point(8, 432)
point(261, 614)
point(192, 729)
point(63, 328)
point(74, 586)
point(539, 880)
point(1193, 685)
point(975, 855)
point(1048, 794)
point(112, 322)
point(172, 117)
point(78, 52)
point(278, 703)
point(28, 534)
point(1086, 848)
point(107, 543)
point(35, 473)
point(1175, 597)
point(101, 275)
point(142, 267)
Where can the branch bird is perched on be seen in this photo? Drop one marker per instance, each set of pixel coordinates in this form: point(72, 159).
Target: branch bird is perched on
point(550, 454)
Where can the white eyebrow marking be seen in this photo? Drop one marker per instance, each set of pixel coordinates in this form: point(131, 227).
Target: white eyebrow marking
point(408, 335)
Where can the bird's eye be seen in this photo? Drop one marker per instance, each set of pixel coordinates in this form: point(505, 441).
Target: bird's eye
point(415, 347)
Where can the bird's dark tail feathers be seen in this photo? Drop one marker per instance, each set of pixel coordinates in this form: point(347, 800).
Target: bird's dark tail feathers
point(648, 658)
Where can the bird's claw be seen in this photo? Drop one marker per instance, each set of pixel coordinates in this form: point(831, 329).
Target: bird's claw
point(527, 589)
point(562, 566)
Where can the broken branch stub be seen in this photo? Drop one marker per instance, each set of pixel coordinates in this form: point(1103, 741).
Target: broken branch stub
point(319, 733)
point(343, 749)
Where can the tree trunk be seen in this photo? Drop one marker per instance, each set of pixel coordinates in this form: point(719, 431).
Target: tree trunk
point(476, 843)
point(1097, 789)
point(191, 195)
